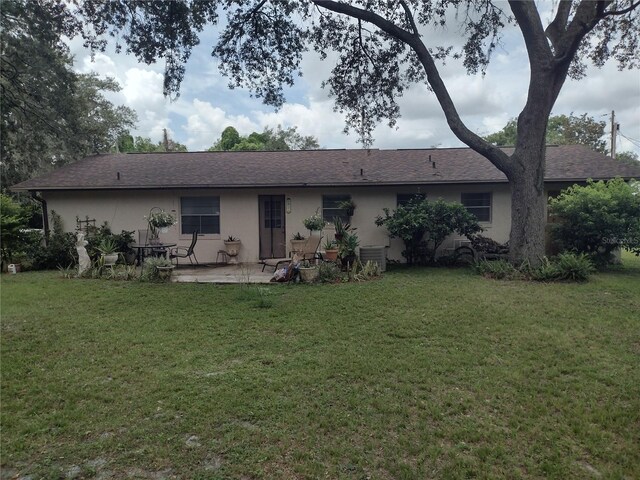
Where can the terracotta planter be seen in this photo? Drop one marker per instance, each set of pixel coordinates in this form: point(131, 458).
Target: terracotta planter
point(331, 255)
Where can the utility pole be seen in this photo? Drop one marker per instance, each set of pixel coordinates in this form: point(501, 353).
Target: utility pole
point(614, 133)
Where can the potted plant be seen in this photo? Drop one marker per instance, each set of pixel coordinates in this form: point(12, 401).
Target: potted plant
point(348, 206)
point(157, 269)
point(347, 249)
point(232, 246)
point(159, 222)
point(314, 223)
point(342, 228)
point(298, 242)
point(123, 241)
point(108, 248)
point(330, 250)
point(308, 273)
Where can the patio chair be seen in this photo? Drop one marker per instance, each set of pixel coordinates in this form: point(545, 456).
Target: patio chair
point(274, 262)
point(185, 252)
point(311, 248)
point(143, 237)
point(309, 252)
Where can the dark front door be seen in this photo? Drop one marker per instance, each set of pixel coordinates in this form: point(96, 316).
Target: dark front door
point(273, 243)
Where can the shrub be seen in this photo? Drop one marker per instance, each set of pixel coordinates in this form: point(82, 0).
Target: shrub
point(329, 272)
point(497, 269)
point(574, 267)
point(423, 226)
point(598, 218)
point(488, 245)
point(13, 220)
point(60, 250)
point(361, 273)
point(547, 271)
point(565, 267)
point(151, 272)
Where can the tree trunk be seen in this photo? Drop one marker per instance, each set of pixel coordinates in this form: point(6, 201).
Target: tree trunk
point(528, 200)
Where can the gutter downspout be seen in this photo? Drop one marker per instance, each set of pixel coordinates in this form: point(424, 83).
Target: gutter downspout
point(45, 215)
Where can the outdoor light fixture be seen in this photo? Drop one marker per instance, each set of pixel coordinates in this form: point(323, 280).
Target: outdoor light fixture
point(288, 204)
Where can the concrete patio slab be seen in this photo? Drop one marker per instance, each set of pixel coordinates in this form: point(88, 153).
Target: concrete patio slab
point(241, 273)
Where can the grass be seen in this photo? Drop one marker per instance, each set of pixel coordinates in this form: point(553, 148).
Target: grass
point(426, 373)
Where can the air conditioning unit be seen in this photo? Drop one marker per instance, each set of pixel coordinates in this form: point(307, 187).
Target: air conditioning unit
point(462, 243)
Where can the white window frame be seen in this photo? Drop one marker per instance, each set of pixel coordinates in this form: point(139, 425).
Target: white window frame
point(475, 208)
point(336, 212)
point(214, 214)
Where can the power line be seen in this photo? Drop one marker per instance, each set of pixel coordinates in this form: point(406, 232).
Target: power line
point(632, 140)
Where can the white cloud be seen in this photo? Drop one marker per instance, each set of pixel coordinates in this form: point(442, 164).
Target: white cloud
point(206, 106)
point(205, 123)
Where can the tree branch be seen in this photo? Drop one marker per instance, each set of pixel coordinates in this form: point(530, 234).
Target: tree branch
point(623, 11)
point(557, 27)
point(409, 16)
point(362, 47)
point(587, 16)
point(460, 130)
point(535, 39)
point(256, 8)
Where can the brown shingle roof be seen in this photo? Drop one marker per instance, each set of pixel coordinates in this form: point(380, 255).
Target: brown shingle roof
point(312, 168)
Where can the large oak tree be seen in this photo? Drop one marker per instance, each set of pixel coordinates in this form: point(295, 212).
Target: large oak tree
point(49, 114)
point(384, 46)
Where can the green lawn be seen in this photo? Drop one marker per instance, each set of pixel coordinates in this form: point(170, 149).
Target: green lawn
point(426, 373)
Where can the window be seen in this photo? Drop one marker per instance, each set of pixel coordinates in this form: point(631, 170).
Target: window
point(404, 198)
point(273, 213)
point(201, 214)
point(331, 209)
point(479, 204)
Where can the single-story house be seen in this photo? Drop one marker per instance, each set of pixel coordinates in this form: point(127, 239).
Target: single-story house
point(263, 197)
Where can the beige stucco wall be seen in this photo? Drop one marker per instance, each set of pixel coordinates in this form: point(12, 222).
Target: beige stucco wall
point(125, 210)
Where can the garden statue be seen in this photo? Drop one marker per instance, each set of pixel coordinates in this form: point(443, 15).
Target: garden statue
point(84, 262)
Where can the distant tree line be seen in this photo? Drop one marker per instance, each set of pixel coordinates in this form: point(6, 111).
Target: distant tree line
point(128, 144)
point(269, 139)
point(567, 130)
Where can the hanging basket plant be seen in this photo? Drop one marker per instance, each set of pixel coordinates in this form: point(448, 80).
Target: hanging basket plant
point(315, 222)
point(348, 206)
point(161, 219)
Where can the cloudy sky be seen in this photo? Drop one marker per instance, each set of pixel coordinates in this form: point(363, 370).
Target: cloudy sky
point(206, 105)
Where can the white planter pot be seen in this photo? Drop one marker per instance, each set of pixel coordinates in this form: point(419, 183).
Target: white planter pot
point(110, 259)
point(309, 275)
point(298, 245)
point(163, 229)
point(165, 272)
point(233, 249)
